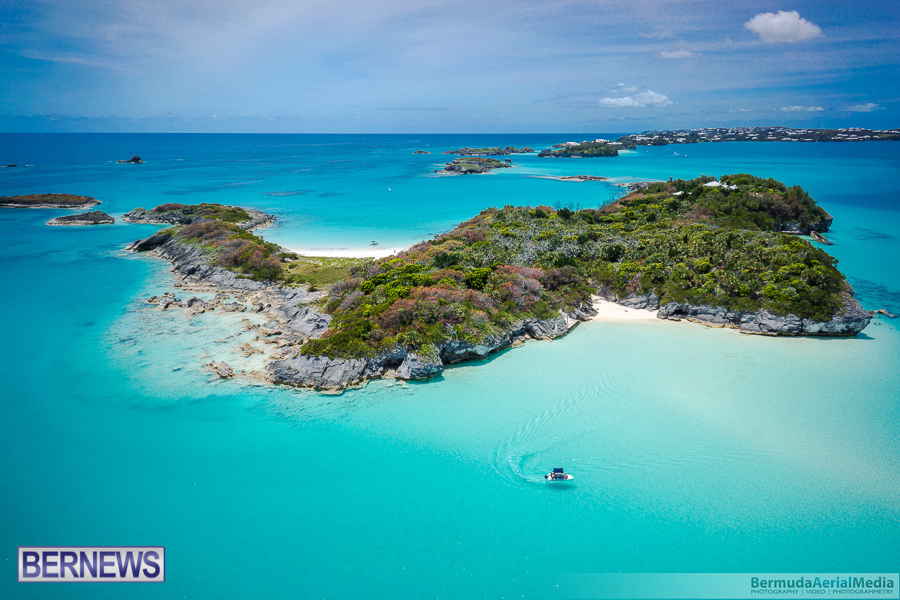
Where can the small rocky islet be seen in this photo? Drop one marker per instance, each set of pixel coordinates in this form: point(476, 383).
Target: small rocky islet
point(48, 201)
point(94, 217)
point(472, 164)
point(691, 251)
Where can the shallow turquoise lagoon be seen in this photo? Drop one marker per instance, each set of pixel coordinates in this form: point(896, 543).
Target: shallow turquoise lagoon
point(694, 449)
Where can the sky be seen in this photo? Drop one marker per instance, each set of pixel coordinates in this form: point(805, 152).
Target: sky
point(435, 66)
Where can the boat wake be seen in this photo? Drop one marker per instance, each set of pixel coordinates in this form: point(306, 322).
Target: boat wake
point(546, 440)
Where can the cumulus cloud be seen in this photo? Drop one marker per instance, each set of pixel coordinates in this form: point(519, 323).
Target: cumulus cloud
point(648, 98)
point(786, 26)
point(800, 109)
point(677, 54)
point(867, 107)
point(625, 88)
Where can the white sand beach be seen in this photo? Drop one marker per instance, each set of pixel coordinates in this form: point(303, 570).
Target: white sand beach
point(610, 311)
point(371, 252)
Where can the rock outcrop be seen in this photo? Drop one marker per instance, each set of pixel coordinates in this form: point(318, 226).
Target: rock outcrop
point(94, 217)
point(325, 373)
point(293, 320)
point(135, 160)
point(222, 369)
point(849, 320)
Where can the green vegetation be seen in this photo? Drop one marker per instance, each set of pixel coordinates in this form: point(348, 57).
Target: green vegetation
point(585, 149)
point(745, 202)
point(496, 151)
point(239, 250)
point(205, 210)
point(235, 248)
point(55, 199)
point(474, 164)
point(319, 271)
point(703, 245)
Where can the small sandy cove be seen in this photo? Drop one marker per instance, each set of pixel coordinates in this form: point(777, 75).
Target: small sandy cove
point(373, 252)
point(610, 311)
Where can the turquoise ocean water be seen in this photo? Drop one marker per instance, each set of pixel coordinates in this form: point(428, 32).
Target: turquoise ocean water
point(695, 450)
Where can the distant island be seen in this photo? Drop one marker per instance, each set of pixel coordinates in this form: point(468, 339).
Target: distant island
point(586, 149)
point(473, 164)
point(94, 217)
point(489, 151)
point(757, 134)
point(48, 201)
point(186, 214)
point(709, 250)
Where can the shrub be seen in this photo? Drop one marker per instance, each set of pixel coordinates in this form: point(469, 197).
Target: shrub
point(477, 278)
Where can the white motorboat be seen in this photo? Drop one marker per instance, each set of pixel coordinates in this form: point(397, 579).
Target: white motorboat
point(558, 475)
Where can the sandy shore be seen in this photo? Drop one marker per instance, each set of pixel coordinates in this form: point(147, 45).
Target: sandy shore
point(610, 311)
point(373, 252)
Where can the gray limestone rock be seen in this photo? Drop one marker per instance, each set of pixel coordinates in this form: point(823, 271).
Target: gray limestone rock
point(422, 364)
point(222, 369)
point(850, 319)
point(233, 307)
point(319, 372)
point(767, 323)
point(649, 301)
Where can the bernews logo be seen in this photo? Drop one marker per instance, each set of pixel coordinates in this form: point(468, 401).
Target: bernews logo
point(92, 563)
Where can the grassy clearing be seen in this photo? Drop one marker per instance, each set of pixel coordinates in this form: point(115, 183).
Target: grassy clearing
point(320, 271)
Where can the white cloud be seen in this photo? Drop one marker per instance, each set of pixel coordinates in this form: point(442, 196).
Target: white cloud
point(786, 26)
point(867, 107)
point(648, 98)
point(678, 54)
point(796, 108)
point(623, 88)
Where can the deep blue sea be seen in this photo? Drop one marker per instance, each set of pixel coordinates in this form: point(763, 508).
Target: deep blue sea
point(695, 450)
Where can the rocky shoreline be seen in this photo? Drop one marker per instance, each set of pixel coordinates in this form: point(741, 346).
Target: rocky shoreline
point(849, 321)
point(294, 317)
point(321, 372)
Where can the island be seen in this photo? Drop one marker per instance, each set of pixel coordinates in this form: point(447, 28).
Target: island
point(573, 177)
point(48, 201)
point(135, 160)
point(712, 254)
point(421, 152)
point(186, 214)
point(757, 134)
point(472, 164)
point(495, 151)
point(94, 217)
point(595, 149)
